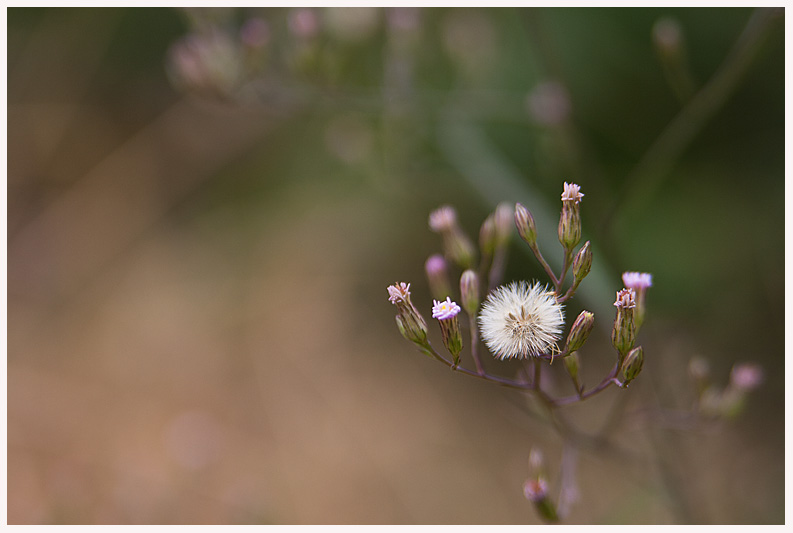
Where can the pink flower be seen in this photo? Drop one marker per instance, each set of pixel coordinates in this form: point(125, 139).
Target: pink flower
point(399, 292)
point(626, 299)
point(445, 310)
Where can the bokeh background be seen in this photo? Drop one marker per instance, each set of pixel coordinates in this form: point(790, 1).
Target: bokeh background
point(205, 208)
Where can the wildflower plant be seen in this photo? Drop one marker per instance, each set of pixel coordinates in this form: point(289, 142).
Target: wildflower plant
point(525, 321)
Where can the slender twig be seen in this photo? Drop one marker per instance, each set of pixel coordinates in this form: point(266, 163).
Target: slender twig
point(545, 266)
point(610, 379)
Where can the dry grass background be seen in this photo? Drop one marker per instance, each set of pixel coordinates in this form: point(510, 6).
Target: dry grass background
point(170, 362)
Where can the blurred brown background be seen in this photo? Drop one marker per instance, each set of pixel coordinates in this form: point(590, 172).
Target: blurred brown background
point(205, 208)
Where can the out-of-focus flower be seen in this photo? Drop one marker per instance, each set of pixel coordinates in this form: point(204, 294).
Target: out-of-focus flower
point(549, 103)
point(637, 280)
point(438, 276)
point(521, 320)
point(746, 376)
point(457, 246)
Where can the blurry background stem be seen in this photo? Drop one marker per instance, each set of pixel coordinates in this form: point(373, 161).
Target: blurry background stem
point(656, 164)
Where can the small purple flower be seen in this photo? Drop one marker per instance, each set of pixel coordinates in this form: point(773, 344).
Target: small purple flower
point(399, 292)
point(445, 310)
point(637, 281)
point(626, 299)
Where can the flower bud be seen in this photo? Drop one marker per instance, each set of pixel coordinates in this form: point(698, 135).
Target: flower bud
point(438, 276)
point(582, 263)
point(573, 365)
point(487, 236)
point(632, 364)
point(410, 322)
point(469, 291)
point(579, 331)
point(570, 220)
point(536, 491)
point(525, 224)
point(623, 335)
point(446, 313)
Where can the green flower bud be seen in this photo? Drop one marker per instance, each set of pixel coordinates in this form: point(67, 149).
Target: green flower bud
point(579, 331)
point(573, 365)
point(570, 220)
point(525, 224)
point(632, 364)
point(582, 263)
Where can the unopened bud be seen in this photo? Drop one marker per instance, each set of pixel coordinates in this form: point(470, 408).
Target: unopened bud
point(580, 330)
point(525, 224)
point(503, 223)
point(746, 377)
point(623, 335)
point(582, 263)
point(570, 220)
point(572, 363)
point(446, 312)
point(410, 322)
point(536, 491)
point(487, 236)
point(469, 291)
point(632, 364)
point(438, 276)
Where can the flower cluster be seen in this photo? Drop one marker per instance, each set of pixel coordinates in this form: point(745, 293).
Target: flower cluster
point(524, 321)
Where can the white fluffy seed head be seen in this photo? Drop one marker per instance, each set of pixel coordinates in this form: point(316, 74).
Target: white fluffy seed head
point(521, 320)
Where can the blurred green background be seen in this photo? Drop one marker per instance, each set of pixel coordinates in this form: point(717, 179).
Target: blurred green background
point(205, 208)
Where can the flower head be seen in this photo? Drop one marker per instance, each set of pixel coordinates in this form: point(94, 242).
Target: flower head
point(398, 292)
point(746, 376)
point(443, 219)
point(572, 193)
point(637, 280)
point(521, 320)
point(626, 299)
point(444, 310)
